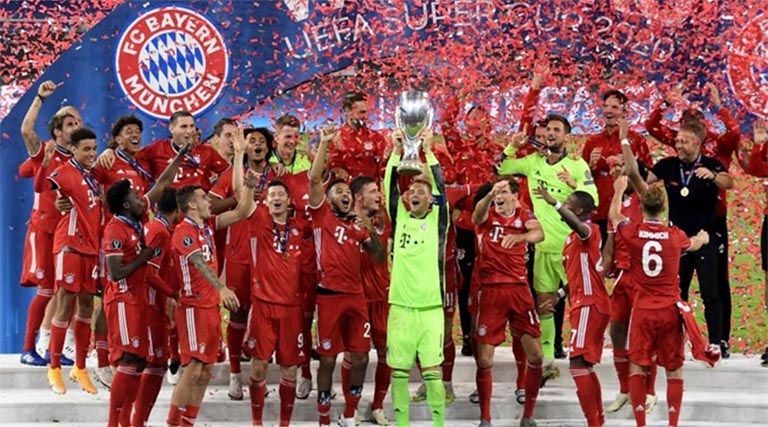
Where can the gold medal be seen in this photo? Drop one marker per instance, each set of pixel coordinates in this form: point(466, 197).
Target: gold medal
point(684, 192)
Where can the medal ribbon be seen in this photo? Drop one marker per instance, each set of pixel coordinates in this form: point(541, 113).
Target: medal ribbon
point(282, 240)
point(206, 231)
point(137, 227)
point(63, 151)
point(136, 165)
point(683, 180)
point(188, 159)
point(87, 176)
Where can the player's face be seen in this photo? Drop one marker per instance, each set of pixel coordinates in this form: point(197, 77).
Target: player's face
point(70, 125)
point(419, 197)
point(613, 110)
point(505, 201)
point(257, 146)
point(540, 133)
point(183, 130)
point(691, 116)
point(370, 197)
point(687, 145)
point(129, 139)
point(478, 123)
point(226, 147)
point(277, 200)
point(341, 197)
point(572, 205)
point(202, 204)
point(85, 152)
point(357, 115)
point(287, 139)
point(135, 204)
point(555, 134)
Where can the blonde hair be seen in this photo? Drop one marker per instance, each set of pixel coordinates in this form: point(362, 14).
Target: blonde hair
point(653, 200)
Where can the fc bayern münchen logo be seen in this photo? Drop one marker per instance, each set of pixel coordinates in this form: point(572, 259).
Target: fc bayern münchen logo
point(172, 58)
point(748, 66)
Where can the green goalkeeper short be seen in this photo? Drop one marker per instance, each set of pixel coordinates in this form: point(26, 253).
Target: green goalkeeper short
point(548, 272)
point(415, 332)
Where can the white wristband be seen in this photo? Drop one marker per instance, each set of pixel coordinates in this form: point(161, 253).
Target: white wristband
point(561, 293)
point(625, 141)
point(558, 205)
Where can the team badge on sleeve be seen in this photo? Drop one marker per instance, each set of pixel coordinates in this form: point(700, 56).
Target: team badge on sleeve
point(117, 244)
point(187, 242)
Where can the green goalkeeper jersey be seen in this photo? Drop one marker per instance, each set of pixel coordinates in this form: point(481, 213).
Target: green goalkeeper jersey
point(419, 244)
point(536, 168)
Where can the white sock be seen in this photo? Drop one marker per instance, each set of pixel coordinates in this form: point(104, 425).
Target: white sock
point(43, 341)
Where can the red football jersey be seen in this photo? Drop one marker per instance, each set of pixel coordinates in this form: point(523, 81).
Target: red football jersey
point(337, 249)
point(497, 265)
point(582, 258)
point(189, 238)
point(198, 165)
point(278, 253)
point(158, 236)
point(376, 274)
point(359, 153)
point(46, 216)
point(654, 264)
point(80, 228)
point(237, 247)
point(122, 238)
point(298, 187)
point(121, 169)
point(630, 209)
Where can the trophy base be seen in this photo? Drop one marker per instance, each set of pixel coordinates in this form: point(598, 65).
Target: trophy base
point(410, 168)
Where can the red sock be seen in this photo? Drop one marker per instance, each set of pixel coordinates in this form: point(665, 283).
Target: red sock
point(621, 363)
point(58, 335)
point(674, 399)
point(346, 368)
point(383, 377)
point(82, 340)
point(35, 315)
point(585, 391)
point(102, 349)
point(307, 331)
point(650, 379)
point(131, 387)
point(532, 385)
point(352, 400)
point(235, 335)
point(257, 389)
point(174, 413)
point(484, 382)
point(449, 357)
point(324, 407)
point(287, 398)
point(117, 393)
point(173, 341)
point(598, 396)
point(189, 416)
point(149, 388)
point(520, 361)
point(637, 397)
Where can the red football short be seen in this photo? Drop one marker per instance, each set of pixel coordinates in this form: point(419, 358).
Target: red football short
point(238, 277)
point(587, 333)
point(342, 324)
point(39, 248)
point(29, 263)
point(199, 331)
point(308, 287)
point(499, 304)
point(77, 273)
point(621, 298)
point(378, 312)
point(473, 303)
point(158, 332)
point(277, 329)
point(656, 332)
point(127, 326)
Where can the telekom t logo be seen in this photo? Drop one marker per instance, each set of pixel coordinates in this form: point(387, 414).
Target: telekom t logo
point(300, 8)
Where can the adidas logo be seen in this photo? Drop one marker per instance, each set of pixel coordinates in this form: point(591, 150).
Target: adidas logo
point(640, 408)
point(672, 410)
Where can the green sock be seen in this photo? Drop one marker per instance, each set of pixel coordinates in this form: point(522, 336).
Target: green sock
point(548, 336)
point(400, 397)
point(435, 396)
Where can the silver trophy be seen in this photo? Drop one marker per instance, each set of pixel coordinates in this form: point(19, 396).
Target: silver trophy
point(413, 115)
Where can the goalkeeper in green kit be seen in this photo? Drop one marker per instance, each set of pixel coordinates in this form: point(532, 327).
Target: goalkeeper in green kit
point(415, 328)
point(561, 175)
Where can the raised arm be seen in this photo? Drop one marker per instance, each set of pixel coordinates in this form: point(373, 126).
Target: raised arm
point(630, 162)
point(245, 203)
point(581, 228)
point(391, 185)
point(433, 165)
point(614, 211)
point(662, 133)
point(166, 178)
point(316, 193)
point(480, 214)
point(28, 133)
